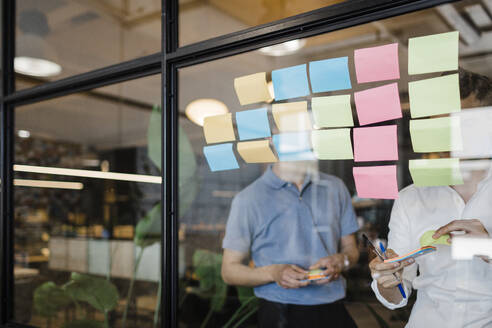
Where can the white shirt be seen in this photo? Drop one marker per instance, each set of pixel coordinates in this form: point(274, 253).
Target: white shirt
point(450, 293)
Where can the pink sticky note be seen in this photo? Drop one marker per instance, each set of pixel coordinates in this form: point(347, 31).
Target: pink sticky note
point(375, 143)
point(378, 104)
point(376, 182)
point(377, 63)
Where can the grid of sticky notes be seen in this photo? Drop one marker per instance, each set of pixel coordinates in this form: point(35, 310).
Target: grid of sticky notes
point(322, 127)
point(437, 96)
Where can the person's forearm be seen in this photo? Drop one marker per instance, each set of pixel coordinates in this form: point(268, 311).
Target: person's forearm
point(391, 294)
point(243, 275)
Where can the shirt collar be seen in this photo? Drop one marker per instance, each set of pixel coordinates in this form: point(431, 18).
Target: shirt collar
point(275, 182)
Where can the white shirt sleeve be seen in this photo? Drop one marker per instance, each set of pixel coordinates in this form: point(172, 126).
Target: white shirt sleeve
point(399, 240)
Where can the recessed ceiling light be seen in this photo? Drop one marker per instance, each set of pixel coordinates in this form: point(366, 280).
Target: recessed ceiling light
point(283, 49)
point(36, 67)
point(198, 109)
point(23, 133)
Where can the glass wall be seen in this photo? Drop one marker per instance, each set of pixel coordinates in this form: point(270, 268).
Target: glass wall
point(290, 156)
point(57, 39)
point(87, 183)
point(202, 20)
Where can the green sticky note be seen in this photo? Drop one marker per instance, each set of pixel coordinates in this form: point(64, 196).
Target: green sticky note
point(332, 111)
point(332, 144)
point(427, 240)
point(439, 95)
point(436, 134)
point(435, 172)
point(433, 53)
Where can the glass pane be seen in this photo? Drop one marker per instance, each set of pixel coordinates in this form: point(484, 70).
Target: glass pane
point(87, 208)
point(202, 20)
point(350, 145)
point(57, 39)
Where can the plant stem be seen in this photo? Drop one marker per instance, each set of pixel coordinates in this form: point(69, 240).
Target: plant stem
point(130, 289)
point(158, 305)
point(106, 319)
point(207, 318)
point(238, 311)
point(245, 317)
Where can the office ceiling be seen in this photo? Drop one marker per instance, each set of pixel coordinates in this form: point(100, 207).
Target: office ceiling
point(89, 34)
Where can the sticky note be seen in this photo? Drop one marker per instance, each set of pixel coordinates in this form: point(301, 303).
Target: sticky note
point(292, 116)
point(290, 82)
point(377, 63)
point(253, 124)
point(330, 74)
point(220, 157)
point(256, 151)
point(439, 95)
point(427, 240)
point(376, 182)
point(218, 128)
point(476, 133)
point(332, 111)
point(378, 143)
point(293, 146)
point(433, 53)
point(332, 144)
point(378, 104)
point(435, 172)
point(252, 89)
point(436, 134)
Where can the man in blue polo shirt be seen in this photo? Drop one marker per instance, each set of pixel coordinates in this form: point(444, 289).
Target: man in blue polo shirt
point(289, 221)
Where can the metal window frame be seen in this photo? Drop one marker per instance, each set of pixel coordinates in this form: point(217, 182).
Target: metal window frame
point(167, 62)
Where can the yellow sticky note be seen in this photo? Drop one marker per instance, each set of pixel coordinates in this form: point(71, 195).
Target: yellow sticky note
point(433, 53)
point(427, 240)
point(291, 117)
point(256, 151)
point(439, 95)
point(218, 128)
point(252, 89)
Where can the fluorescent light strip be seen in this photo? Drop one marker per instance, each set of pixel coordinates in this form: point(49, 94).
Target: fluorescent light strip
point(48, 184)
point(88, 173)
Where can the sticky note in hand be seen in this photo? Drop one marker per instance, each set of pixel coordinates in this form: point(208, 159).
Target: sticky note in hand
point(427, 240)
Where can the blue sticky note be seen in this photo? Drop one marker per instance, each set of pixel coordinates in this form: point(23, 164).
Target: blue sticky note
point(290, 82)
point(330, 75)
point(220, 157)
point(253, 124)
point(293, 146)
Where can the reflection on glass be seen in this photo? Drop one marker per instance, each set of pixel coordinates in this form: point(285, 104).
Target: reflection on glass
point(87, 211)
point(261, 228)
point(57, 39)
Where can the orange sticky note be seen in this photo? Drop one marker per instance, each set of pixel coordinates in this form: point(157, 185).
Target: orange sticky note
point(218, 128)
point(256, 151)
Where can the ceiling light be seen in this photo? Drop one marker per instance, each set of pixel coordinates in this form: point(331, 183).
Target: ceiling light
point(48, 184)
point(198, 109)
point(36, 67)
point(23, 133)
point(283, 49)
point(88, 173)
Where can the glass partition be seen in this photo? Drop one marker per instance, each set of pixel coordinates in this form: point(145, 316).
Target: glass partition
point(290, 166)
point(87, 186)
point(56, 39)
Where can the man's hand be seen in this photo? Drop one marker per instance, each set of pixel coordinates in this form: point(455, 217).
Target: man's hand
point(471, 227)
point(383, 272)
point(289, 275)
point(332, 265)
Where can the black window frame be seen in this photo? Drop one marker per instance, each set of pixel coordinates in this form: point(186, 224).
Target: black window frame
point(167, 62)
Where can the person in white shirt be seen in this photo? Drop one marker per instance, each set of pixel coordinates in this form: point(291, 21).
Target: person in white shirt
point(450, 293)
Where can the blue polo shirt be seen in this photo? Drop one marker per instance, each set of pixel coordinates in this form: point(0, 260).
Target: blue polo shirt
point(278, 224)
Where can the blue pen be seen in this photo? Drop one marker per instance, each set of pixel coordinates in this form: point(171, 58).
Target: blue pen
point(400, 285)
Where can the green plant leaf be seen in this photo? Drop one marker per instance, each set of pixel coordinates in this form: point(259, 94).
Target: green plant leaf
point(49, 299)
point(244, 294)
point(148, 229)
point(98, 292)
point(84, 323)
point(207, 269)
